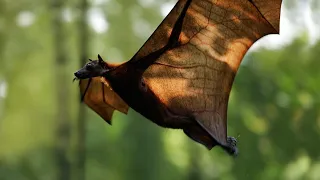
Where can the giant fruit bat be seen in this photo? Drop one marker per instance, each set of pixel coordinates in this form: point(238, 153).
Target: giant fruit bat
point(182, 76)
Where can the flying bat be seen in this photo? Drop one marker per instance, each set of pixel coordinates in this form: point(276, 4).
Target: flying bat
point(182, 76)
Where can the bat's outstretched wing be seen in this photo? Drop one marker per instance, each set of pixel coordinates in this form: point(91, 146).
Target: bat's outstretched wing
point(98, 95)
point(191, 60)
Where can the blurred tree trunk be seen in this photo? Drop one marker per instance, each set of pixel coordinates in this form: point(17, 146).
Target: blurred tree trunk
point(2, 49)
point(2, 33)
point(62, 84)
point(81, 124)
point(5, 19)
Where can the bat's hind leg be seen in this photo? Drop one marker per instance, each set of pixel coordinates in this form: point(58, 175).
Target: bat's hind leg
point(214, 126)
point(196, 133)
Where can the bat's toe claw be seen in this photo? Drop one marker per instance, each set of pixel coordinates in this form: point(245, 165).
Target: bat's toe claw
point(231, 147)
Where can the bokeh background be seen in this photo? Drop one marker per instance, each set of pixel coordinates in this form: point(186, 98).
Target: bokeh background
point(45, 134)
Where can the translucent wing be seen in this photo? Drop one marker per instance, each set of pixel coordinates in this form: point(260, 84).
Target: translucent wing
point(99, 96)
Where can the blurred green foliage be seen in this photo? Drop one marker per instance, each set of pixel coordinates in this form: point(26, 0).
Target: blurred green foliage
point(274, 105)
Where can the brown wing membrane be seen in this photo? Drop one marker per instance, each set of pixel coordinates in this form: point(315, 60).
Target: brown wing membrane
point(98, 95)
point(198, 50)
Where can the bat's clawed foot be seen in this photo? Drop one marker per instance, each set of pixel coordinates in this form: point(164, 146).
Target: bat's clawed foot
point(231, 147)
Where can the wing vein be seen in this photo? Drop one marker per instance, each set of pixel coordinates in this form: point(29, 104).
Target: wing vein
point(251, 2)
point(85, 91)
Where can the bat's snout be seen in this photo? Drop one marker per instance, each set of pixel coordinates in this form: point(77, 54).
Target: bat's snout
point(81, 74)
point(77, 74)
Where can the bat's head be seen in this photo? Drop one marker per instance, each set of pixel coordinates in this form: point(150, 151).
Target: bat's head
point(92, 69)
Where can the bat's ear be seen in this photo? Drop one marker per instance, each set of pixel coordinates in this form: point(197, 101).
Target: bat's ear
point(90, 59)
point(100, 59)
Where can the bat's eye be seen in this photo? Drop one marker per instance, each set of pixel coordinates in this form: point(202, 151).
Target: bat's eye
point(89, 67)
